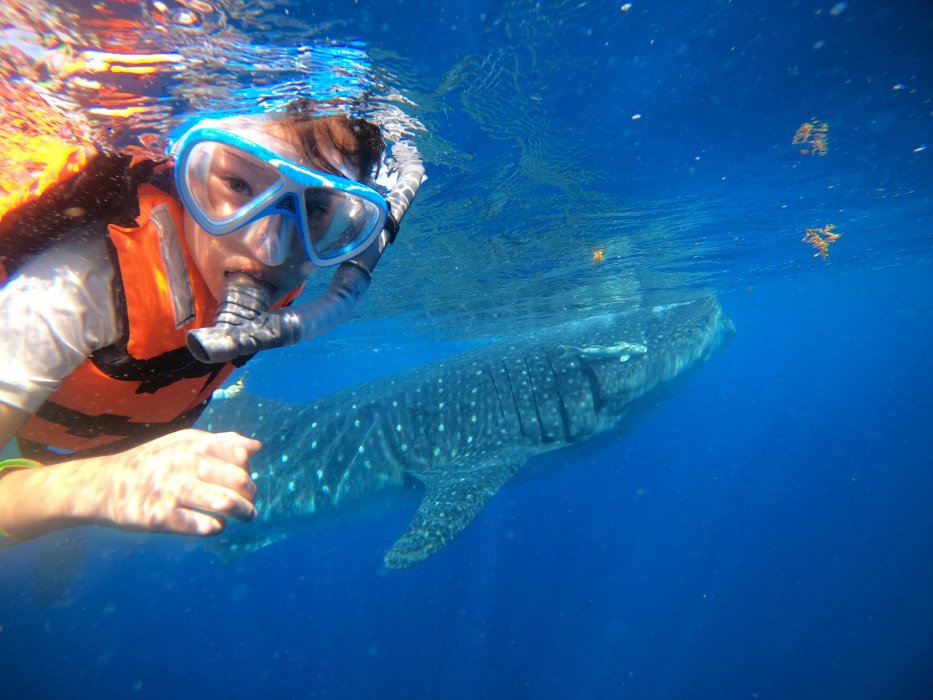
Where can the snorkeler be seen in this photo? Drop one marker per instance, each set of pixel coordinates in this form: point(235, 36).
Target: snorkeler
point(117, 331)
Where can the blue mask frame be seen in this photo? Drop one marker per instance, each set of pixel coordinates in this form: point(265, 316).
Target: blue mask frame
point(287, 198)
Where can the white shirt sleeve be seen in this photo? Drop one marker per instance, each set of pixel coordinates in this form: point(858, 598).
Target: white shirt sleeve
point(54, 312)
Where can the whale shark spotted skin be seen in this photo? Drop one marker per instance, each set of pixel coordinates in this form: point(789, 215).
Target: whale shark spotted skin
point(462, 427)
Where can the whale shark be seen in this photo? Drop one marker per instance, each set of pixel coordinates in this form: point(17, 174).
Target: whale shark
point(461, 428)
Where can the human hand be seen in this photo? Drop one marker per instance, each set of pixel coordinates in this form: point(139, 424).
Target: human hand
point(185, 482)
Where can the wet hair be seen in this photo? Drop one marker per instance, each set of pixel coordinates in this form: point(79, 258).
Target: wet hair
point(360, 142)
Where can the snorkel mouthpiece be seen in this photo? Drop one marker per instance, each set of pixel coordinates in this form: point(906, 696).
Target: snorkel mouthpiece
point(244, 325)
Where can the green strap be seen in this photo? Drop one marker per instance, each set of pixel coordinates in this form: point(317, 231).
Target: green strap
point(18, 463)
point(15, 463)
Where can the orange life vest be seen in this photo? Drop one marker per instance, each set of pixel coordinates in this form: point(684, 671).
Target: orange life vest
point(147, 384)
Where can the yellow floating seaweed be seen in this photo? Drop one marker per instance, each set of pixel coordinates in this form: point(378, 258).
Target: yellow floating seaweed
point(814, 136)
point(821, 239)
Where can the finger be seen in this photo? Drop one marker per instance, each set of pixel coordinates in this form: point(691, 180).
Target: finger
point(219, 472)
point(252, 445)
point(177, 520)
point(217, 499)
point(232, 447)
point(194, 522)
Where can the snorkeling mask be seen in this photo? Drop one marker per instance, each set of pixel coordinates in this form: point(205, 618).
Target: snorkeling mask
point(234, 183)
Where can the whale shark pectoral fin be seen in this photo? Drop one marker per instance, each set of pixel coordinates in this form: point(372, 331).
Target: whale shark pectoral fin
point(231, 549)
point(452, 498)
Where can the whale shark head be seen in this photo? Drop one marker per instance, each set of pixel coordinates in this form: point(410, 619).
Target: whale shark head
point(614, 359)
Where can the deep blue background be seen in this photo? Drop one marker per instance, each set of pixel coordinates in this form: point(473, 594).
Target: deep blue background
point(764, 532)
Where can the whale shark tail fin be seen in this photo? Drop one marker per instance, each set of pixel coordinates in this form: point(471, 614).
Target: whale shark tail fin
point(451, 500)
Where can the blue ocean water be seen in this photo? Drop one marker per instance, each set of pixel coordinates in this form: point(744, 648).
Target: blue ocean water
point(764, 532)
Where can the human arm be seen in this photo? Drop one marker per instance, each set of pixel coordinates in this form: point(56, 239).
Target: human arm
point(186, 482)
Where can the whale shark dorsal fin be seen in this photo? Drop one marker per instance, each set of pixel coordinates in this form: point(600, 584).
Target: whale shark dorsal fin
point(451, 500)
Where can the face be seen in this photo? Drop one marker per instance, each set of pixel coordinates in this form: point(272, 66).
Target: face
point(268, 249)
point(215, 256)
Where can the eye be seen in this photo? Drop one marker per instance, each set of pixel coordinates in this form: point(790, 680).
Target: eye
point(238, 186)
point(316, 205)
point(317, 210)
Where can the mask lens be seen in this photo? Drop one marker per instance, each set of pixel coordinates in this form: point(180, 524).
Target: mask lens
point(337, 221)
point(226, 183)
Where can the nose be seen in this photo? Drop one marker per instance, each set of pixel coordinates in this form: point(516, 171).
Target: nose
point(269, 239)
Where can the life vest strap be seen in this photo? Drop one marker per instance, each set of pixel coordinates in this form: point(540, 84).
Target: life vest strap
point(134, 434)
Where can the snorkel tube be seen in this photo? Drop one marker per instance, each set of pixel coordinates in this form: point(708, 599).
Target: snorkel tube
point(243, 324)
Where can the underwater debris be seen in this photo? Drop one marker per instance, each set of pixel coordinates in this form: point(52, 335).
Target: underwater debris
point(814, 135)
point(230, 391)
point(821, 239)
